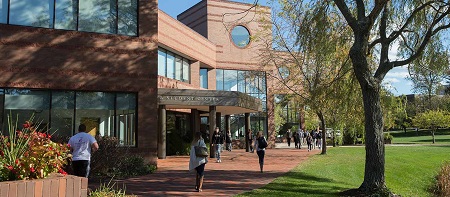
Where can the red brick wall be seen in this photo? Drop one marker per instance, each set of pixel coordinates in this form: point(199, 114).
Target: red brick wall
point(69, 60)
point(56, 185)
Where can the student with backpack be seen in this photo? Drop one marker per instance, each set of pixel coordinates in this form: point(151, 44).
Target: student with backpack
point(260, 147)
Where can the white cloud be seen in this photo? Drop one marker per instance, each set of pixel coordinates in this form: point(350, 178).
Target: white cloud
point(391, 80)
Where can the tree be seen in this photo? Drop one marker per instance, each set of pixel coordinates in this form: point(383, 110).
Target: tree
point(432, 120)
point(428, 71)
point(375, 27)
point(309, 69)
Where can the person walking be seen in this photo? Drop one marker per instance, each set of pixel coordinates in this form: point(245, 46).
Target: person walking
point(217, 142)
point(300, 138)
point(296, 139)
point(82, 145)
point(309, 142)
point(250, 139)
point(260, 147)
point(228, 140)
point(197, 163)
point(288, 137)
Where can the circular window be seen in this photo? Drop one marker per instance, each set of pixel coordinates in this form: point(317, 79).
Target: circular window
point(240, 36)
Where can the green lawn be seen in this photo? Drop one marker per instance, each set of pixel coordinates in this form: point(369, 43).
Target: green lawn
point(421, 137)
point(410, 171)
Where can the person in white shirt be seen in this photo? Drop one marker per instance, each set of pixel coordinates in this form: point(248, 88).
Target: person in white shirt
point(82, 145)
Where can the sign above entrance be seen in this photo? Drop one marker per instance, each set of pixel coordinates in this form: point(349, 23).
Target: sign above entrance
point(184, 98)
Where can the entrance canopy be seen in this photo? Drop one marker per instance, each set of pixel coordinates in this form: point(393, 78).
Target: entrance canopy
point(226, 102)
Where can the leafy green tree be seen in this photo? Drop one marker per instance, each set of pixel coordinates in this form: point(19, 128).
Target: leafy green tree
point(371, 28)
point(432, 119)
point(428, 71)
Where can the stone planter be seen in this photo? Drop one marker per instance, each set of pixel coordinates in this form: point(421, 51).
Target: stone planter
point(55, 185)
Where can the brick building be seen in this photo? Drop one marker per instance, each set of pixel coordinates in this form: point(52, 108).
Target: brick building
point(128, 70)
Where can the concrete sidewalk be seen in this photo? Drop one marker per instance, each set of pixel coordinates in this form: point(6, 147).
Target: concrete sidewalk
point(238, 173)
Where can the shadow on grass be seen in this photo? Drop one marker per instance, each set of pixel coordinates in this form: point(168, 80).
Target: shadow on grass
point(304, 184)
point(431, 140)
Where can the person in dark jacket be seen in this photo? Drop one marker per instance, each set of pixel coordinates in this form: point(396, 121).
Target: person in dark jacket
point(260, 151)
point(228, 140)
point(217, 142)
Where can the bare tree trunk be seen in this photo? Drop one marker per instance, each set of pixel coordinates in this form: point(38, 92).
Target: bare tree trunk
point(432, 134)
point(374, 179)
point(324, 137)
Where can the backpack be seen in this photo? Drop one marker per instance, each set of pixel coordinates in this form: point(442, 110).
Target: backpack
point(262, 143)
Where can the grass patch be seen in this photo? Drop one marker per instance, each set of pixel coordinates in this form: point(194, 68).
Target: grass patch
point(410, 171)
point(421, 137)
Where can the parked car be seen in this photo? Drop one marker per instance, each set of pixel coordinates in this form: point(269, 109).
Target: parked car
point(329, 132)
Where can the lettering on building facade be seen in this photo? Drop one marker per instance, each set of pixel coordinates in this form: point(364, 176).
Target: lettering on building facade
point(187, 98)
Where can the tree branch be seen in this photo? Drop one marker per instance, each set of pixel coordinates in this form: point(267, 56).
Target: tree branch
point(346, 13)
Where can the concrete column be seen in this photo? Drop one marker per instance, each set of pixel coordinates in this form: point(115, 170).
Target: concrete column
point(219, 120)
point(212, 128)
point(247, 128)
point(227, 123)
point(195, 120)
point(162, 132)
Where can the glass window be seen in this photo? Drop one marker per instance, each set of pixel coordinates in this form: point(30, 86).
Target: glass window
point(31, 13)
point(178, 68)
point(230, 80)
point(161, 63)
point(170, 65)
point(127, 23)
point(25, 104)
point(126, 115)
point(219, 79)
point(3, 11)
point(240, 36)
point(97, 16)
point(62, 112)
point(186, 71)
point(66, 14)
point(241, 81)
point(204, 78)
point(96, 111)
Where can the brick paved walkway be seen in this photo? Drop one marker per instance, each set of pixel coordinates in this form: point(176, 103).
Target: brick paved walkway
point(238, 173)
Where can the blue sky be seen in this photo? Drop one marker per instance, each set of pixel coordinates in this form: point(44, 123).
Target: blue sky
point(395, 79)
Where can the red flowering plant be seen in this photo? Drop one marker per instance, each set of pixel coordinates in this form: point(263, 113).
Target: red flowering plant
point(30, 154)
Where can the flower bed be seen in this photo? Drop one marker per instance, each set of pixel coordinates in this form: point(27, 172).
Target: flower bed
point(29, 154)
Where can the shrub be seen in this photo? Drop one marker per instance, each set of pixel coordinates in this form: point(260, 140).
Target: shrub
point(108, 156)
point(388, 138)
point(110, 190)
point(442, 186)
point(29, 154)
point(112, 160)
point(133, 166)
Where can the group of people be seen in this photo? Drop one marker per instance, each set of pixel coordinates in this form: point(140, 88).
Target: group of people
point(198, 163)
point(312, 138)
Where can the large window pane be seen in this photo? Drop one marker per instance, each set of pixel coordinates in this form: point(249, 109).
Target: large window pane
point(3, 11)
point(186, 71)
point(96, 111)
point(204, 78)
point(63, 112)
point(230, 80)
point(66, 14)
point(126, 119)
point(31, 13)
point(97, 16)
point(219, 79)
point(178, 68)
point(170, 65)
point(241, 81)
point(161, 62)
point(127, 17)
point(24, 104)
